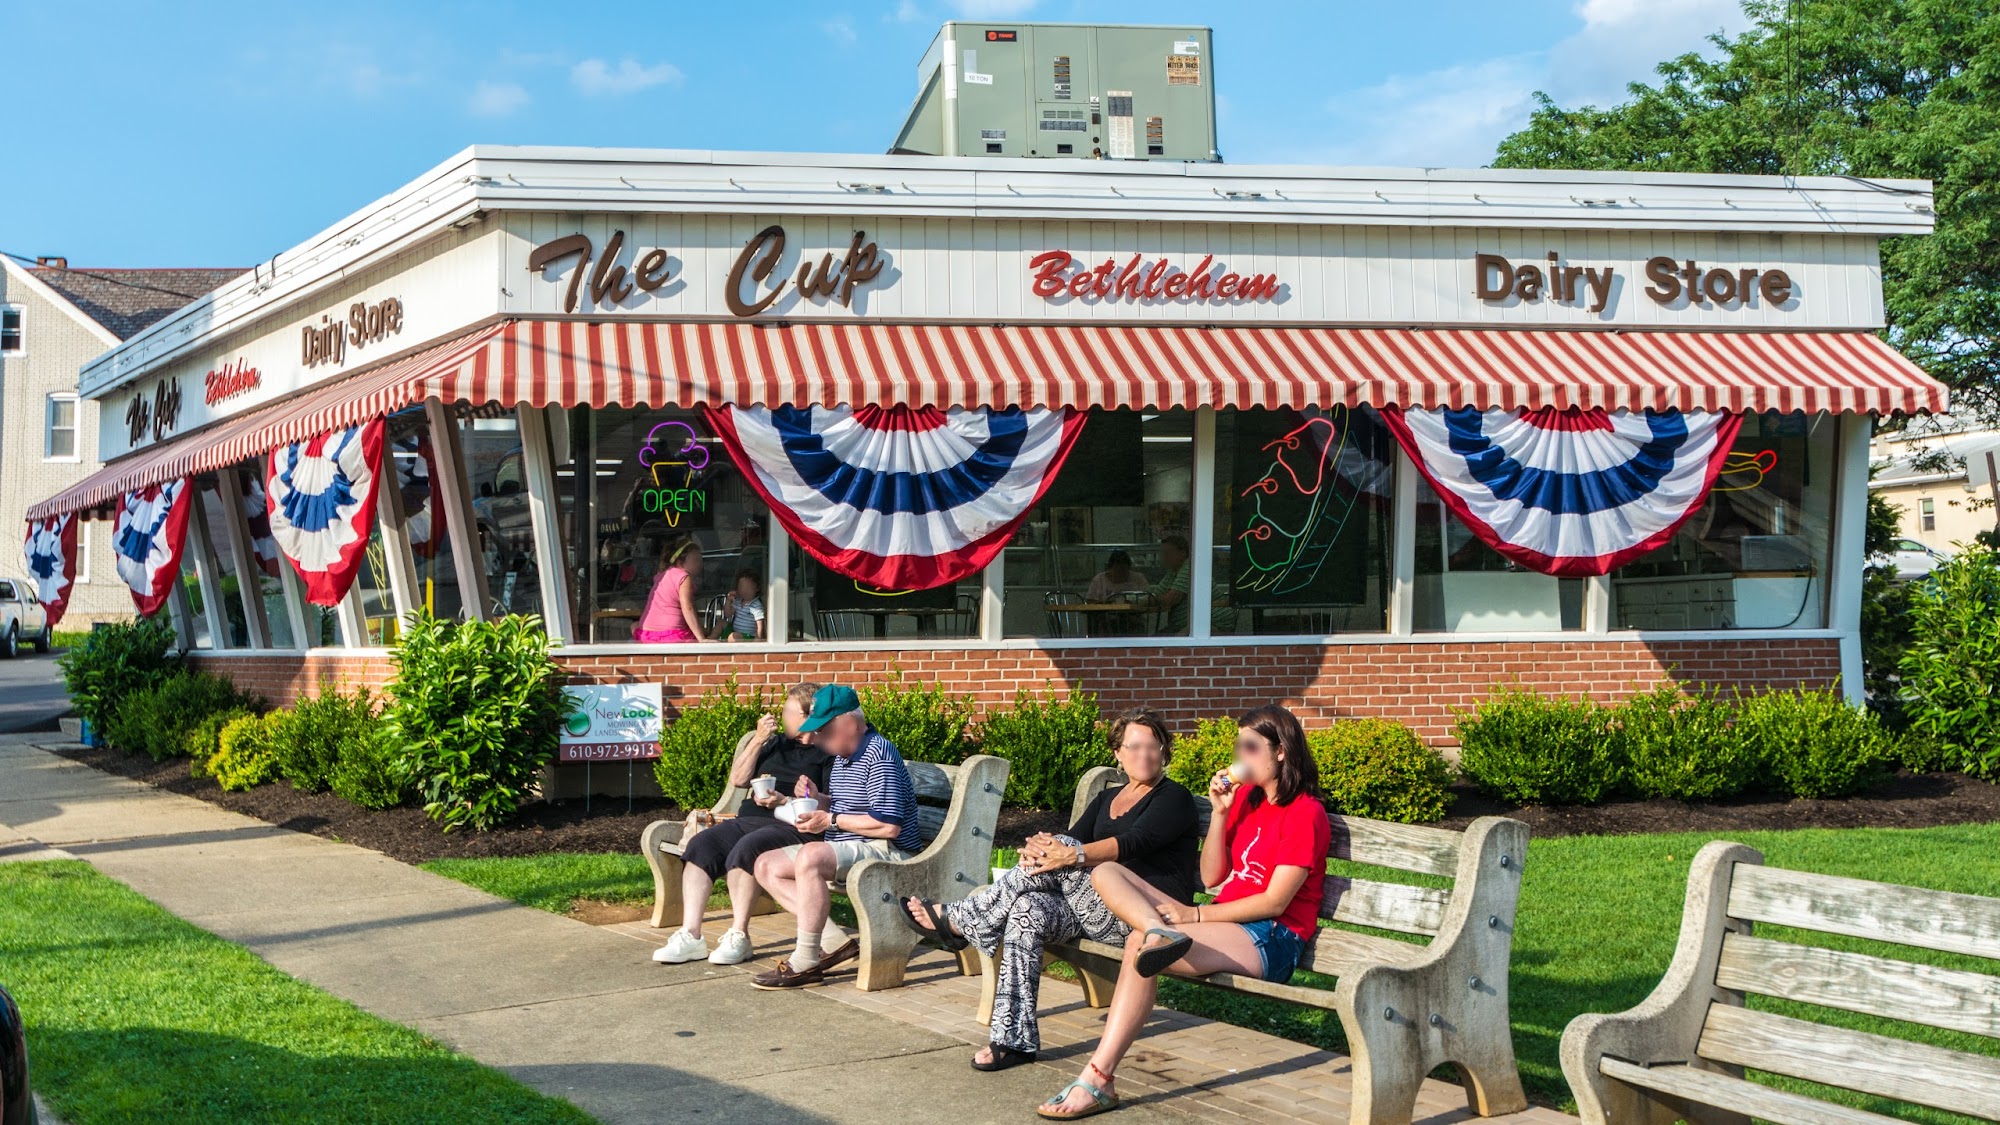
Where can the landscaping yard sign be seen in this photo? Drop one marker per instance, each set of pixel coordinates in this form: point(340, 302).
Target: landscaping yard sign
point(611, 723)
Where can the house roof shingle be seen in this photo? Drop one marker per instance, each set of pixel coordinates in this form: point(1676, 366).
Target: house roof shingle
point(126, 301)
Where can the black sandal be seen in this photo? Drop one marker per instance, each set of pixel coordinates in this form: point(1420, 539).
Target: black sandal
point(1154, 960)
point(941, 931)
point(1003, 1058)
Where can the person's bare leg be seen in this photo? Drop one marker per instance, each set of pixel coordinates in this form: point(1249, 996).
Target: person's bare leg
point(809, 891)
point(742, 897)
point(1219, 947)
point(775, 873)
point(1136, 902)
point(695, 887)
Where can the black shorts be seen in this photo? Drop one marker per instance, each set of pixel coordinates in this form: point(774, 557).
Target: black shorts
point(734, 845)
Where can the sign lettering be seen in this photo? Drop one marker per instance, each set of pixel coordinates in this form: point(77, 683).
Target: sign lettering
point(1058, 274)
point(1495, 278)
point(229, 380)
point(610, 281)
point(863, 262)
point(610, 723)
point(365, 324)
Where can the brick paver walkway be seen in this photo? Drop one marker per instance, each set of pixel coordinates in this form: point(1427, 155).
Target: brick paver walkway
point(1216, 1070)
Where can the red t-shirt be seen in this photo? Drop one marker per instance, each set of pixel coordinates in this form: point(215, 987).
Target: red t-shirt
point(1263, 837)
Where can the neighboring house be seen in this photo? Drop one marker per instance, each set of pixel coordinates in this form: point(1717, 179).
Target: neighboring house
point(1937, 472)
point(53, 319)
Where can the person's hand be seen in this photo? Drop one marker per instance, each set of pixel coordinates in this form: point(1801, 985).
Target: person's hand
point(767, 725)
point(1175, 914)
point(806, 788)
point(1220, 791)
point(770, 800)
point(814, 823)
point(730, 637)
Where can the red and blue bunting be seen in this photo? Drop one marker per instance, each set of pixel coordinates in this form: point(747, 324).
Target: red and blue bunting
point(257, 513)
point(423, 509)
point(148, 536)
point(51, 553)
point(321, 498)
point(1568, 492)
point(903, 498)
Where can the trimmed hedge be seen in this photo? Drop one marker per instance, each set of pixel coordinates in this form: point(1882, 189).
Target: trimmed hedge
point(696, 747)
point(926, 723)
point(1049, 740)
point(1380, 769)
point(1532, 749)
point(156, 721)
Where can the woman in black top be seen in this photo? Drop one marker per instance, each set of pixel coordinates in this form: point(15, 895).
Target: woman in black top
point(1149, 825)
point(728, 849)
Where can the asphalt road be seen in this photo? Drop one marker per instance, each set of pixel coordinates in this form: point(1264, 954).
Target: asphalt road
point(31, 692)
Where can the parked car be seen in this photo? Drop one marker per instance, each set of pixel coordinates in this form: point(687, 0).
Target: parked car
point(17, 1102)
point(1910, 558)
point(22, 618)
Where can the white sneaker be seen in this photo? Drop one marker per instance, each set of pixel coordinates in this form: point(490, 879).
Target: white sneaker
point(683, 946)
point(733, 949)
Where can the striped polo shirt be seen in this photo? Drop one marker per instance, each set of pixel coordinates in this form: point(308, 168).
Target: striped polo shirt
point(872, 780)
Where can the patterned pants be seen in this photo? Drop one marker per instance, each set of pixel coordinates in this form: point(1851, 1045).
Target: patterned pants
point(1016, 917)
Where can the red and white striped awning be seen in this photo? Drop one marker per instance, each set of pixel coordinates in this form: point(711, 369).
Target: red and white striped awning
point(575, 363)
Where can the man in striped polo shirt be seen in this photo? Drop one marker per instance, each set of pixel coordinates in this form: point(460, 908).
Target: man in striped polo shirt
point(868, 811)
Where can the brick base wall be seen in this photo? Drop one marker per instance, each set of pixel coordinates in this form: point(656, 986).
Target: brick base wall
point(1419, 684)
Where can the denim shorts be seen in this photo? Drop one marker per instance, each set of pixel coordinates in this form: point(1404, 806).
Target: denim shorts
point(1278, 946)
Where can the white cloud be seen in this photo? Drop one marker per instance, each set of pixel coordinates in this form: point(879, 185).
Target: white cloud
point(1455, 116)
point(840, 29)
point(496, 99)
point(596, 77)
point(993, 9)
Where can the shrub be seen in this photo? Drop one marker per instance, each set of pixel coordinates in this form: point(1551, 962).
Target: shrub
point(243, 758)
point(206, 738)
point(1529, 748)
point(1049, 741)
point(312, 738)
point(365, 774)
point(1197, 756)
point(1680, 746)
point(926, 723)
point(1920, 753)
point(696, 747)
point(474, 713)
point(116, 662)
point(1381, 770)
point(1951, 671)
point(1813, 743)
point(156, 721)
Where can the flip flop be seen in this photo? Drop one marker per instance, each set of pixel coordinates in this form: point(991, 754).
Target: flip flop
point(941, 932)
point(1004, 1058)
point(1101, 1102)
point(1154, 960)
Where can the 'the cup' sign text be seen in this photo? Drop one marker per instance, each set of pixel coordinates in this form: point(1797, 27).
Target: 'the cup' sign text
point(761, 256)
point(160, 417)
point(610, 282)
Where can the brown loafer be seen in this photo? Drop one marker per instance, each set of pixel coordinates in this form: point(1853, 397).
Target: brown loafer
point(847, 952)
point(784, 977)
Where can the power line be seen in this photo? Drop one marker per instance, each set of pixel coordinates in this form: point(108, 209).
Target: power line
point(29, 260)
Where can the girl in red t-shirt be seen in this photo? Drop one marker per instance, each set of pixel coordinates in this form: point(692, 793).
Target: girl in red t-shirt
point(1265, 856)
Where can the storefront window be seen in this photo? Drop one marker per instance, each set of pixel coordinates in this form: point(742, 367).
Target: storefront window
point(1464, 586)
point(657, 480)
point(497, 475)
point(196, 633)
point(1756, 555)
point(1106, 552)
point(372, 589)
point(425, 523)
point(222, 563)
point(1302, 518)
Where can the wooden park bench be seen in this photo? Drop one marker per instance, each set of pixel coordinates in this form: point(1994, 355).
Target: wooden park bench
point(1681, 1054)
point(1406, 1008)
point(958, 808)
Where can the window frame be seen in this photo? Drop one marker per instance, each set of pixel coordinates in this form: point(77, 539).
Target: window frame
point(75, 427)
point(20, 347)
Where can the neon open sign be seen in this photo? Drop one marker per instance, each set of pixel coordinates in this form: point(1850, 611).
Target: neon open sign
point(673, 454)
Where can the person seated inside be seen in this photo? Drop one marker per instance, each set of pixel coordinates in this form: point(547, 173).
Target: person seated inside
point(1170, 594)
point(742, 616)
point(727, 849)
point(867, 810)
point(1265, 855)
point(1116, 578)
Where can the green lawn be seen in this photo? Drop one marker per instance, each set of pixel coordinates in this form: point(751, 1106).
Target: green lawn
point(1598, 921)
point(136, 1016)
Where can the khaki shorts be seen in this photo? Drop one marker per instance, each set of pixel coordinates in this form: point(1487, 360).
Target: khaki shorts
point(847, 853)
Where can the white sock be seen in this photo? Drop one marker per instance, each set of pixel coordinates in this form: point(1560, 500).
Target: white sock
point(807, 953)
point(833, 936)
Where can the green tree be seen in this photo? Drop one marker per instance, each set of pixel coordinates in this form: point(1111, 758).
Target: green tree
point(1874, 89)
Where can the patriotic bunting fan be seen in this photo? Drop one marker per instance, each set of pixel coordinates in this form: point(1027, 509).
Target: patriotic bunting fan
point(51, 551)
point(416, 476)
point(903, 498)
point(151, 528)
point(257, 513)
point(321, 495)
point(1569, 492)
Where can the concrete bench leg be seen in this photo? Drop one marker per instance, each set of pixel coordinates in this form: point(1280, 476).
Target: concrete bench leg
point(666, 871)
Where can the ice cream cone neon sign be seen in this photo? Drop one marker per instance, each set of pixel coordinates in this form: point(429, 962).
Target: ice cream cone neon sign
point(673, 447)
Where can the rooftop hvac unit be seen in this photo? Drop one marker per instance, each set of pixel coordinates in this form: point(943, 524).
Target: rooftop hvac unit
point(1065, 90)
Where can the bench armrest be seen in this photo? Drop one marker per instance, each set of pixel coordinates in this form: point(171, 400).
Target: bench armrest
point(1666, 1026)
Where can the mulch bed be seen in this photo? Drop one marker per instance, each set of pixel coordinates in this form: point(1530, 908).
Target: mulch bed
point(1905, 801)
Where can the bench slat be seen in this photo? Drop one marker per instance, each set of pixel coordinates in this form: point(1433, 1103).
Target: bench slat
point(930, 821)
point(1927, 919)
point(1406, 847)
point(1853, 1060)
point(1385, 906)
point(1766, 1103)
point(1857, 982)
point(933, 782)
point(1339, 953)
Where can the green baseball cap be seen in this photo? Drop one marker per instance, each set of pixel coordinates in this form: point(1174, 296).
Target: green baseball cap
point(828, 702)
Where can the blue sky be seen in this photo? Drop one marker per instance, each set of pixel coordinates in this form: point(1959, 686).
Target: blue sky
point(210, 134)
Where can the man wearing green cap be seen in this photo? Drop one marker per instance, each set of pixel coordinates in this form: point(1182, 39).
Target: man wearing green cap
point(868, 811)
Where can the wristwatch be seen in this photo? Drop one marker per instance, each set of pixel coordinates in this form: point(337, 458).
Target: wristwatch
point(832, 821)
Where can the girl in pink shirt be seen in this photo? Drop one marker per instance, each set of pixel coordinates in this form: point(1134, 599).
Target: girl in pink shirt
point(670, 616)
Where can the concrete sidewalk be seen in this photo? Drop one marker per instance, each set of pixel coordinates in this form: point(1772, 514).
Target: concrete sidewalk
point(567, 1008)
